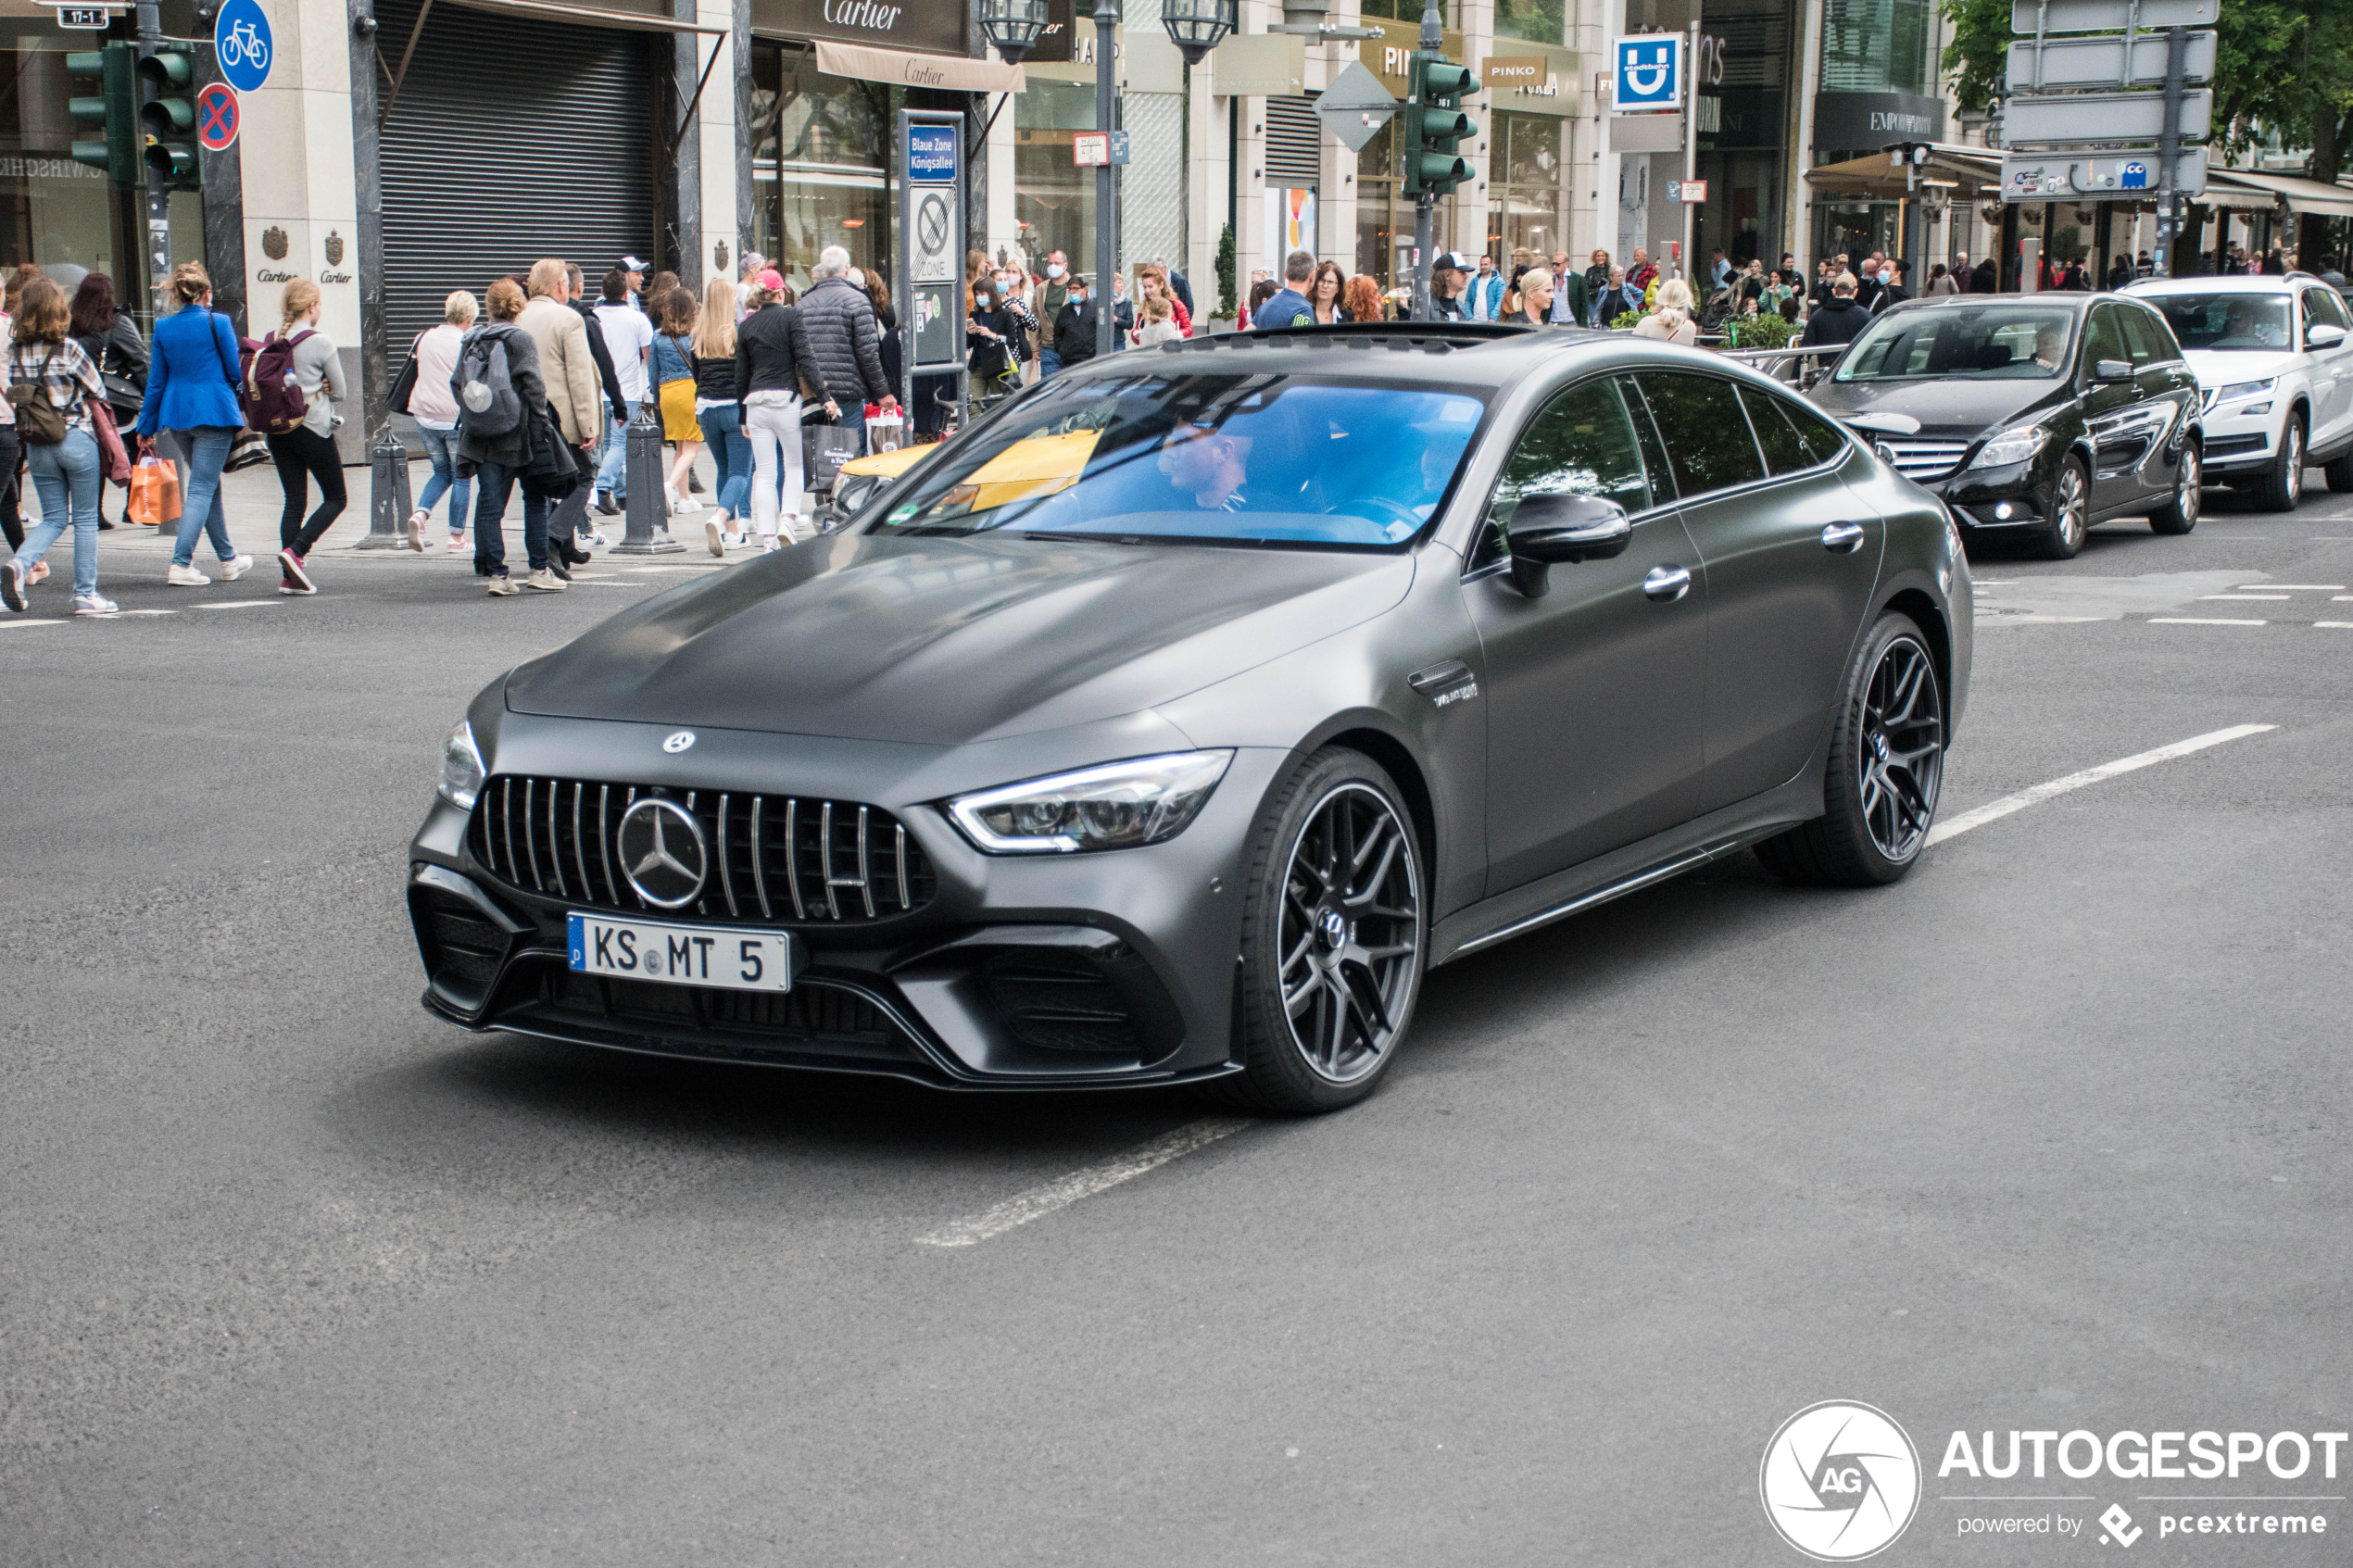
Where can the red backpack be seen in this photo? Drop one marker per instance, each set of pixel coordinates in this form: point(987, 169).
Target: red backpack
point(268, 388)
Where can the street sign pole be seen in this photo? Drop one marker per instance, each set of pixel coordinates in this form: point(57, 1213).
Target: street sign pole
point(1106, 181)
point(2168, 150)
point(1691, 150)
point(931, 253)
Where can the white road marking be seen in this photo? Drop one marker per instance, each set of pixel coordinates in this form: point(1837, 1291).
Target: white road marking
point(237, 604)
point(2302, 588)
point(118, 614)
point(1993, 811)
point(2199, 621)
point(2238, 598)
point(1061, 1193)
point(15, 620)
point(2342, 599)
point(2339, 625)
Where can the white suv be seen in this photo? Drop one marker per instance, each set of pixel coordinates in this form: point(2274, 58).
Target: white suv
point(2273, 359)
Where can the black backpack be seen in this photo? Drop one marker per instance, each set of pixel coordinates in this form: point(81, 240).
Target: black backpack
point(487, 402)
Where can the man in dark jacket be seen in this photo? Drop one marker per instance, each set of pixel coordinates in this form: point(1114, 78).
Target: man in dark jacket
point(844, 338)
point(1984, 278)
point(1838, 321)
point(1178, 284)
point(1074, 327)
point(1892, 291)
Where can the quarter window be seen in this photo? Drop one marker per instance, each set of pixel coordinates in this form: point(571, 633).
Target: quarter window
point(1785, 451)
point(1579, 444)
point(1821, 437)
point(1709, 445)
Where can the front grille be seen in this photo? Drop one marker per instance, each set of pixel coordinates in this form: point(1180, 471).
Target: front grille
point(2229, 445)
point(769, 856)
point(813, 1025)
point(1924, 460)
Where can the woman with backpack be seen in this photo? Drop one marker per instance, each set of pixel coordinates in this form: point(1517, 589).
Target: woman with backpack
point(502, 417)
point(51, 384)
point(303, 448)
point(112, 340)
point(192, 392)
point(718, 411)
point(424, 393)
point(772, 362)
point(672, 369)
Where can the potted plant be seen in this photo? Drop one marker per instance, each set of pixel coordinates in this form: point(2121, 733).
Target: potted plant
point(1221, 320)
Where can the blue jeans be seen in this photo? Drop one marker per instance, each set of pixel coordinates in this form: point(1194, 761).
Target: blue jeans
point(441, 450)
point(612, 469)
point(490, 509)
point(1048, 363)
point(200, 509)
point(731, 454)
point(66, 478)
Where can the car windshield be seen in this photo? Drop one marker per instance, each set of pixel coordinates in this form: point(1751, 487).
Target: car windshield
point(1222, 457)
point(2226, 320)
point(1997, 342)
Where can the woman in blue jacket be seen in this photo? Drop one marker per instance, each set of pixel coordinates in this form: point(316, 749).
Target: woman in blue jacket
point(191, 389)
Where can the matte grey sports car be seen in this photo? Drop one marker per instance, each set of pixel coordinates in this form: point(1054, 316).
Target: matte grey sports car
point(1173, 721)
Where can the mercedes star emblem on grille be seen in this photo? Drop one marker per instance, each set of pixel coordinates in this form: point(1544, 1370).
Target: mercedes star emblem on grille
point(663, 852)
point(678, 742)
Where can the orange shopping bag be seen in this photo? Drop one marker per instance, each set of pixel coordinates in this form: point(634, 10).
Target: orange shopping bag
point(155, 492)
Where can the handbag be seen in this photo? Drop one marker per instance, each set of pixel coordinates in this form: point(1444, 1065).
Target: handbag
point(114, 462)
point(155, 492)
point(406, 382)
point(39, 422)
point(824, 449)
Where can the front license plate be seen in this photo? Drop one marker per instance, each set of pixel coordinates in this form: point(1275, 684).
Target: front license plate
point(728, 957)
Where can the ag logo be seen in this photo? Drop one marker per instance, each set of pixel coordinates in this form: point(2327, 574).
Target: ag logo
point(1839, 1481)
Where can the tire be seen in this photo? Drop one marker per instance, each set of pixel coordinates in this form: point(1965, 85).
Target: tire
point(1886, 766)
point(2340, 474)
point(1321, 1011)
point(2278, 490)
point(2068, 518)
point(2180, 514)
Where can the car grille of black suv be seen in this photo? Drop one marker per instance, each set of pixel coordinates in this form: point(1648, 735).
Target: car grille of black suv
point(769, 856)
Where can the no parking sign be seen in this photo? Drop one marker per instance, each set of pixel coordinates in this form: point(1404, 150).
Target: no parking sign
point(218, 117)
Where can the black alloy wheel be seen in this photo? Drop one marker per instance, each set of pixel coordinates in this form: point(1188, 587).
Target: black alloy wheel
point(1334, 930)
point(2282, 485)
point(1886, 769)
point(2067, 515)
point(2180, 513)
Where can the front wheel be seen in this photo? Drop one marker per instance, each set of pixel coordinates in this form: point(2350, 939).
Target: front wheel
point(2067, 517)
point(2282, 487)
point(2180, 514)
point(1334, 930)
point(1886, 765)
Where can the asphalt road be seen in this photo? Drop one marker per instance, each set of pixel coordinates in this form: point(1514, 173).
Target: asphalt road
point(2049, 1135)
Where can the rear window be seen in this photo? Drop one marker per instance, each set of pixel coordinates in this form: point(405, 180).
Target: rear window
point(1709, 445)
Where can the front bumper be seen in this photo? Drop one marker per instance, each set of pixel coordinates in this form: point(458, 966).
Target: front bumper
point(1035, 971)
point(1992, 500)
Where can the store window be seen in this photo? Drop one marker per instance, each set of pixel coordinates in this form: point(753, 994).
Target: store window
point(1529, 206)
point(1877, 45)
point(819, 174)
point(1384, 215)
point(54, 212)
point(1053, 199)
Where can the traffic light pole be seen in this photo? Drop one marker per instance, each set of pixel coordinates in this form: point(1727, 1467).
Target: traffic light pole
point(1425, 204)
point(158, 195)
point(1106, 181)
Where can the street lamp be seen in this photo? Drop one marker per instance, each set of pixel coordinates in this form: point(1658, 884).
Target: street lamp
point(1012, 26)
point(1197, 26)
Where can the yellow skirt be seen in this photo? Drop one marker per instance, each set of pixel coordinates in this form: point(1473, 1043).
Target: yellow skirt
point(678, 412)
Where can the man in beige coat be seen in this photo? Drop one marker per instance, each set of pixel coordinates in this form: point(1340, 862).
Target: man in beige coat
point(566, 363)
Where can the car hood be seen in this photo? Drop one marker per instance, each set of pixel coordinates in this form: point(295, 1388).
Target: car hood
point(2227, 367)
point(1955, 408)
point(941, 641)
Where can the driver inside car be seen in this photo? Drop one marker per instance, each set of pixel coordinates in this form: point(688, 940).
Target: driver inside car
point(2050, 345)
point(1209, 464)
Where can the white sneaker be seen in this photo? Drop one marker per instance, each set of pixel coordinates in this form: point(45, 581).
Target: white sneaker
point(185, 577)
point(95, 604)
point(413, 533)
point(456, 542)
point(670, 495)
point(768, 545)
point(594, 540)
point(231, 570)
point(12, 585)
point(546, 582)
point(716, 537)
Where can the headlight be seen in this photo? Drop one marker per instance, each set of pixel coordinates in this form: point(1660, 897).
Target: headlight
point(2237, 390)
point(2010, 447)
point(1118, 806)
point(460, 767)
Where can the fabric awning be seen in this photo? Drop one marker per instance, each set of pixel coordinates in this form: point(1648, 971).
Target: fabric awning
point(590, 16)
point(904, 67)
point(1871, 175)
point(2301, 194)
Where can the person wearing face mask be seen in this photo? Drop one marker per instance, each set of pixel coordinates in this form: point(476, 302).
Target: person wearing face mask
point(1075, 325)
point(989, 334)
point(1053, 292)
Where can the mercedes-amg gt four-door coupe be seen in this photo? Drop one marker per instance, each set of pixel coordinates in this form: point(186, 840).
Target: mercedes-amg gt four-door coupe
point(1171, 721)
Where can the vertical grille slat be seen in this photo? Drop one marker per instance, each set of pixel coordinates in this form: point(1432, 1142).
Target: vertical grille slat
point(870, 853)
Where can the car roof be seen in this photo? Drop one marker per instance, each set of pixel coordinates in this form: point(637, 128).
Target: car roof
point(1492, 355)
point(2227, 283)
point(2069, 299)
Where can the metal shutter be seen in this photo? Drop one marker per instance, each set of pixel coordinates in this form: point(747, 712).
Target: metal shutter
point(1294, 143)
point(511, 141)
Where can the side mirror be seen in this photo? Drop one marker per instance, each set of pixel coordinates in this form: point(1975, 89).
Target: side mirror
point(2324, 334)
point(2112, 369)
point(1548, 531)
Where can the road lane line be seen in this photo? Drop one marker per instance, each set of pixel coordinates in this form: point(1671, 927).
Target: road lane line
point(237, 604)
point(13, 620)
point(2200, 620)
point(1993, 811)
point(2238, 598)
point(2297, 587)
point(2338, 625)
point(1046, 1197)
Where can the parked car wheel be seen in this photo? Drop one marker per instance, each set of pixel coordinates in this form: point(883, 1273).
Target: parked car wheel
point(2180, 514)
point(1886, 766)
point(1334, 930)
point(2067, 514)
point(2340, 474)
point(2278, 490)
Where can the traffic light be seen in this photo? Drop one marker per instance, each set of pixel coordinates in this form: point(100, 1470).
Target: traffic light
point(169, 114)
point(113, 112)
point(1435, 126)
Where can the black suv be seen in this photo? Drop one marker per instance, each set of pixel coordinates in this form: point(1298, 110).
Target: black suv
point(2040, 414)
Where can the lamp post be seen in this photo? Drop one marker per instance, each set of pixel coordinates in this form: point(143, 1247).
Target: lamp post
point(1012, 26)
point(1198, 26)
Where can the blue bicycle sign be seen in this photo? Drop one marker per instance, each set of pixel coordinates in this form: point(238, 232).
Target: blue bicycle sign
point(241, 39)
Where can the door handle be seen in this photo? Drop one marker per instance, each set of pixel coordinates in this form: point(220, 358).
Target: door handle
point(1668, 583)
point(1844, 538)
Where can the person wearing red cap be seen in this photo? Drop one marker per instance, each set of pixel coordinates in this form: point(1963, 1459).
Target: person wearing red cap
point(772, 365)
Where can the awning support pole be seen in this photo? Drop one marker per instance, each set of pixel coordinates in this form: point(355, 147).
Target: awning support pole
point(396, 77)
point(694, 103)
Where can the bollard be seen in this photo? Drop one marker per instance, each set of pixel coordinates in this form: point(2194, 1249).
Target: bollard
point(388, 502)
point(645, 508)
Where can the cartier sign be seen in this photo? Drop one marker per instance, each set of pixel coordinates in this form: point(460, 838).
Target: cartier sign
point(929, 25)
